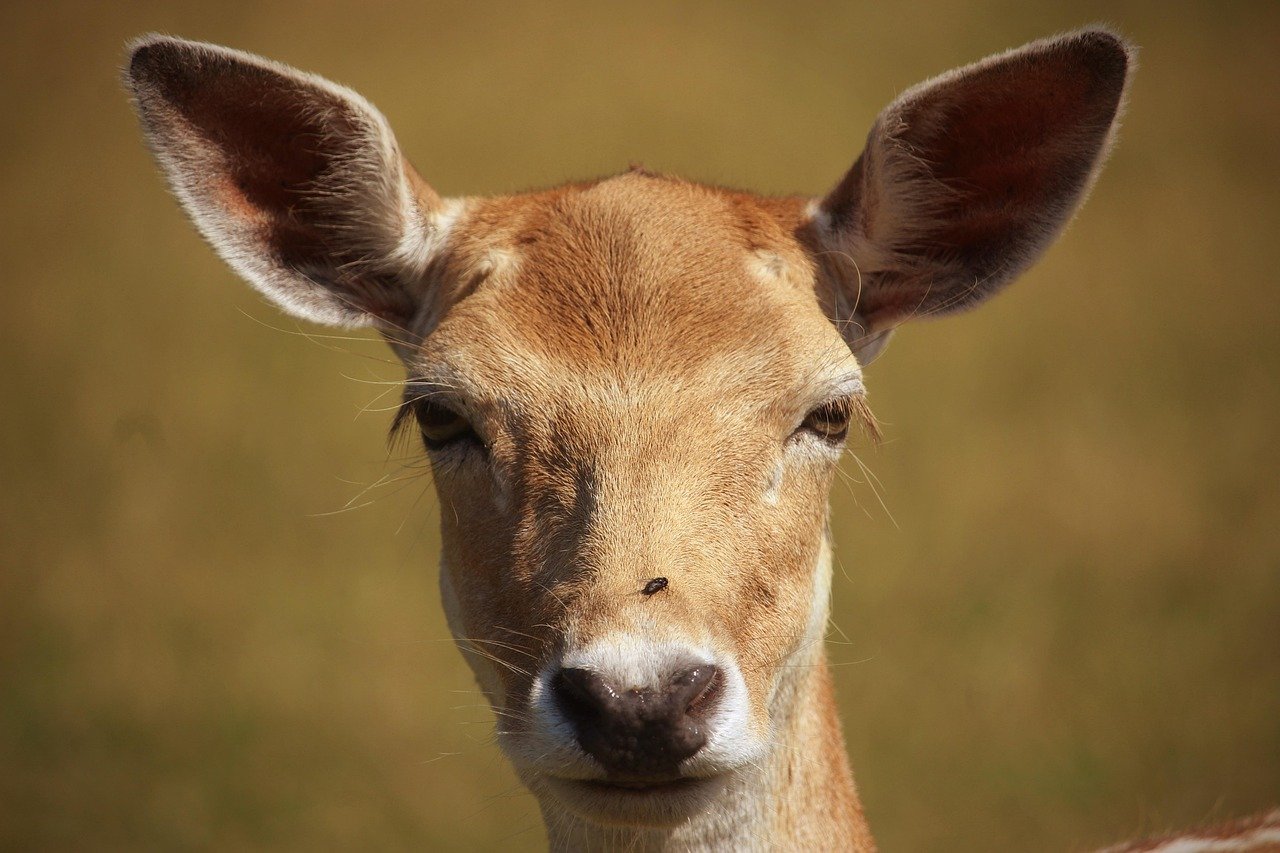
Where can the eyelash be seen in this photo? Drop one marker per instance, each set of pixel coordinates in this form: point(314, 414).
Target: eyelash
point(830, 421)
point(441, 427)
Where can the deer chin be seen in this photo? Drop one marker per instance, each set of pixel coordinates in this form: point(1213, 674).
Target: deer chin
point(655, 803)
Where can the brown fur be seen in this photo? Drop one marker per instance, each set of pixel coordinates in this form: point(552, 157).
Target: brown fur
point(622, 466)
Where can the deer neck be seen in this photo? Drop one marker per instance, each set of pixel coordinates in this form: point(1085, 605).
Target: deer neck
point(800, 797)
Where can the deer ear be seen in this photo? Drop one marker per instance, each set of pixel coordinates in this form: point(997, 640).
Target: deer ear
point(295, 181)
point(966, 179)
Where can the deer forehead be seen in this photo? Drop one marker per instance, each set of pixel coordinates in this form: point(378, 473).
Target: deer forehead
point(639, 296)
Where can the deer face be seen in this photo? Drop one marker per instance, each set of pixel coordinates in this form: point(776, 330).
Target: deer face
point(633, 392)
point(637, 383)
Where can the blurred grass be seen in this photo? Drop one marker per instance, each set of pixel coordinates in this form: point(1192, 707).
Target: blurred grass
point(1069, 635)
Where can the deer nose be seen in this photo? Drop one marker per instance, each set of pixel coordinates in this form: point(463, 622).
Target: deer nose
point(639, 732)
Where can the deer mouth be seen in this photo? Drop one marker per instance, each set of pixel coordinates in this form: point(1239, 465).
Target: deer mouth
point(662, 786)
point(653, 802)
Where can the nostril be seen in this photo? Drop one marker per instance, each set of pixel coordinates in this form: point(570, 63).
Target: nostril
point(581, 693)
point(706, 683)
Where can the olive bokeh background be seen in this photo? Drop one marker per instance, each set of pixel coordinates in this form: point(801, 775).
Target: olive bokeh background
point(1060, 628)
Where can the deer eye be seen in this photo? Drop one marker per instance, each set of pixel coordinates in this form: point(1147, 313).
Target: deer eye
point(830, 421)
point(442, 426)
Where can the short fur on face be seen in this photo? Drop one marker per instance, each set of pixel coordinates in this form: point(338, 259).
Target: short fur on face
point(637, 378)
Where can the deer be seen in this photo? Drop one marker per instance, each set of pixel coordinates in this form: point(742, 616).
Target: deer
point(633, 393)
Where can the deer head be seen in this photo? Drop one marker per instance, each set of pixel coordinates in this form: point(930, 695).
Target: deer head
point(634, 392)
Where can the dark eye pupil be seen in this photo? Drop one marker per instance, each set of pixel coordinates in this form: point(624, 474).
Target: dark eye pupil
point(431, 416)
point(830, 421)
point(440, 425)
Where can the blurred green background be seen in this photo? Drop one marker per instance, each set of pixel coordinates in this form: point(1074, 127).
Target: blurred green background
point(1067, 633)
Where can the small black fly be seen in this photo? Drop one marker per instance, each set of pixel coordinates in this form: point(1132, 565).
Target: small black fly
point(654, 586)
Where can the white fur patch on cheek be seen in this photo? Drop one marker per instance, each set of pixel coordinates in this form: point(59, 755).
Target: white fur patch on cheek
point(820, 603)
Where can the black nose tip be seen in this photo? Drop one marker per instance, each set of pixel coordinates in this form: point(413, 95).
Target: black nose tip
point(639, 732)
